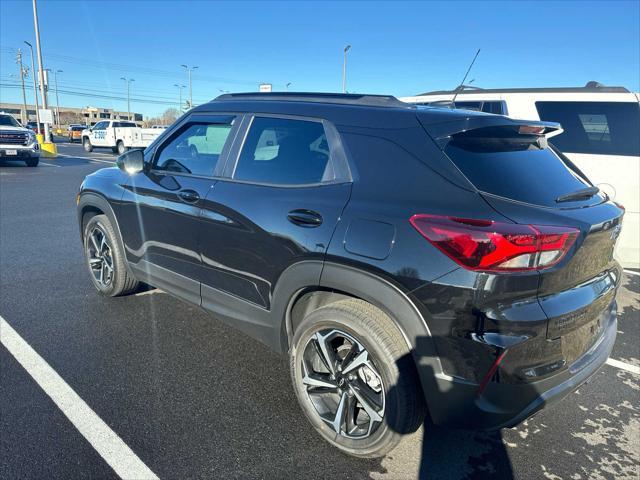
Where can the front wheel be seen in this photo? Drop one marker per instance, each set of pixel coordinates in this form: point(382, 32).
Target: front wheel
point(86, 143)
point(32, 161)
point(354, 378)
point(105, 259)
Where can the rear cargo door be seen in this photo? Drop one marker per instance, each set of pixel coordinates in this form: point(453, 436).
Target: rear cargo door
point(521, 177)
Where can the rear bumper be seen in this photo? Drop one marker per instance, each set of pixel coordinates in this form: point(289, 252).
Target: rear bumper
point(506, 405)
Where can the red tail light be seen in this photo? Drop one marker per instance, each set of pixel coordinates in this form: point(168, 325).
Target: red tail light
point(489, 245)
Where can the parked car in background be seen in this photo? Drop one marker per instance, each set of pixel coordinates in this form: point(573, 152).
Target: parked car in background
point(74, 133)
point(601, 126)
point(118, 135)
point(18, 142)
point(374, 243)
point(40, 129)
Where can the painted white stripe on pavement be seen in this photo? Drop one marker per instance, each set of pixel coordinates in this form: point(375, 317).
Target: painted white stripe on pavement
point(623, 366)
point(101, 161)
point(148, 292)
point(631, 272)
point(104, 440)
point(49, 164)
point(91, 159)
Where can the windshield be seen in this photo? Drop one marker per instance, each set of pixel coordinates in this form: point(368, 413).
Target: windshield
point(607, 128)
point(8, 121)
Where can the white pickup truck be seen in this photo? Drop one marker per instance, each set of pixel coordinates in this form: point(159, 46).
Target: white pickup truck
point(118, 135)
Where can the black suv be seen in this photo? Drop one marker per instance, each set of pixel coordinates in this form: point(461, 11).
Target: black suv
point(410, 260)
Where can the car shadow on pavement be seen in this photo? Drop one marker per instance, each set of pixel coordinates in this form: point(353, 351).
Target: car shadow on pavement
point(452, 453)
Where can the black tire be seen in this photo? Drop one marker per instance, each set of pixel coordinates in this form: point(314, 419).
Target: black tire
point(120, 148)
point(32, 162)
point(86, 143)
point(388, 352)
point(121, 281)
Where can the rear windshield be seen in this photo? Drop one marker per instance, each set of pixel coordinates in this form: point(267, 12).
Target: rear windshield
point(520, 167)
point(606, 128)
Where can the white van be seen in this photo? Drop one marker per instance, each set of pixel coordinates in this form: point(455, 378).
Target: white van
point(601, 136)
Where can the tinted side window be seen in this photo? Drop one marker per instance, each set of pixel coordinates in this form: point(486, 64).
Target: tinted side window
point(284, 152)
point(195, 150)
point(608, 128)
point(100, 126)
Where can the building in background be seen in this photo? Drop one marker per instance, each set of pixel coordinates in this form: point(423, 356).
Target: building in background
point(87, 115)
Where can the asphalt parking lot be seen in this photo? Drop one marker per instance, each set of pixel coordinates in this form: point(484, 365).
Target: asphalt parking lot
point(194, 398)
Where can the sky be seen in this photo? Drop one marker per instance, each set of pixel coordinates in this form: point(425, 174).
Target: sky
point(399, 48)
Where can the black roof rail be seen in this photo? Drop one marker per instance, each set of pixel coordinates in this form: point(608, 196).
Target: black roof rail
point(339, 98)
point(590, 87)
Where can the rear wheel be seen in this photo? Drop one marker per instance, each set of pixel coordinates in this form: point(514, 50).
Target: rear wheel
point(86, 143)
point(120, 148)
point(354, 378)
point(105, 260)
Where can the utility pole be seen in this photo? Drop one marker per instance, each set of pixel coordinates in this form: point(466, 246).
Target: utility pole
point(41, 71)
point(35, 87)
point(344, 69)
point(25, 113)
point(180, 87)
point(55, 76)
point(189, 70)
point(128, 82)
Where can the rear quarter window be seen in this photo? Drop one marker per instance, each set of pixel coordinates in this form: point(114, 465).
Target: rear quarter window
point(605, 128)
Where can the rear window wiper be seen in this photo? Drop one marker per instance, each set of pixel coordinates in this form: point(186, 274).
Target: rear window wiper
point(582, 194)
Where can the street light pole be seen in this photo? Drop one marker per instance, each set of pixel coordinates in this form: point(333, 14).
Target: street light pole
point(180, 87)
point(189, 70)
point(40, 65)
point(25, 114)
point(344, 69)
point(35, 88)
point(128, 82)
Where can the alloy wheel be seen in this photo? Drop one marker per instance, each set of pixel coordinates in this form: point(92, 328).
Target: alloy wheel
point(100, 257)
point(343, 384)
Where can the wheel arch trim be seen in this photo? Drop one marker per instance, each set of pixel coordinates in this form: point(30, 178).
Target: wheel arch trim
point(347, 280)
point(95, 200)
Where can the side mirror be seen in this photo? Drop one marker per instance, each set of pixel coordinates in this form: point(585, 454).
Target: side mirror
point(131, 161)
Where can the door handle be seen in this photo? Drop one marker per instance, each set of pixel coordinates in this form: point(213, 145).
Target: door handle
point(305, 218)
point(189, 196)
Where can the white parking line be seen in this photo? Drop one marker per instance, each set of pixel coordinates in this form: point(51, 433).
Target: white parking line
point(623, 366)
point(91, 159)
point(49, 164)
point(104, 440)
point(631, 272)
point(148, 292)
point(101, 161)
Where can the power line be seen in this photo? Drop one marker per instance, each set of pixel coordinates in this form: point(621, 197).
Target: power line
point(100, 96)
point(139, 69)
point(78, 89)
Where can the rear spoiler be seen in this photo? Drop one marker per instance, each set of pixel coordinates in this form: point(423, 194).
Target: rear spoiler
point(443, 131)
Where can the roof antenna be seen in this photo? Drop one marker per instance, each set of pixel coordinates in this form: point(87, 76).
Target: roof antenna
point(460, 87)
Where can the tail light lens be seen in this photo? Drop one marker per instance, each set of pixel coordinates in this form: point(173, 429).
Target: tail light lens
point(496, 246)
